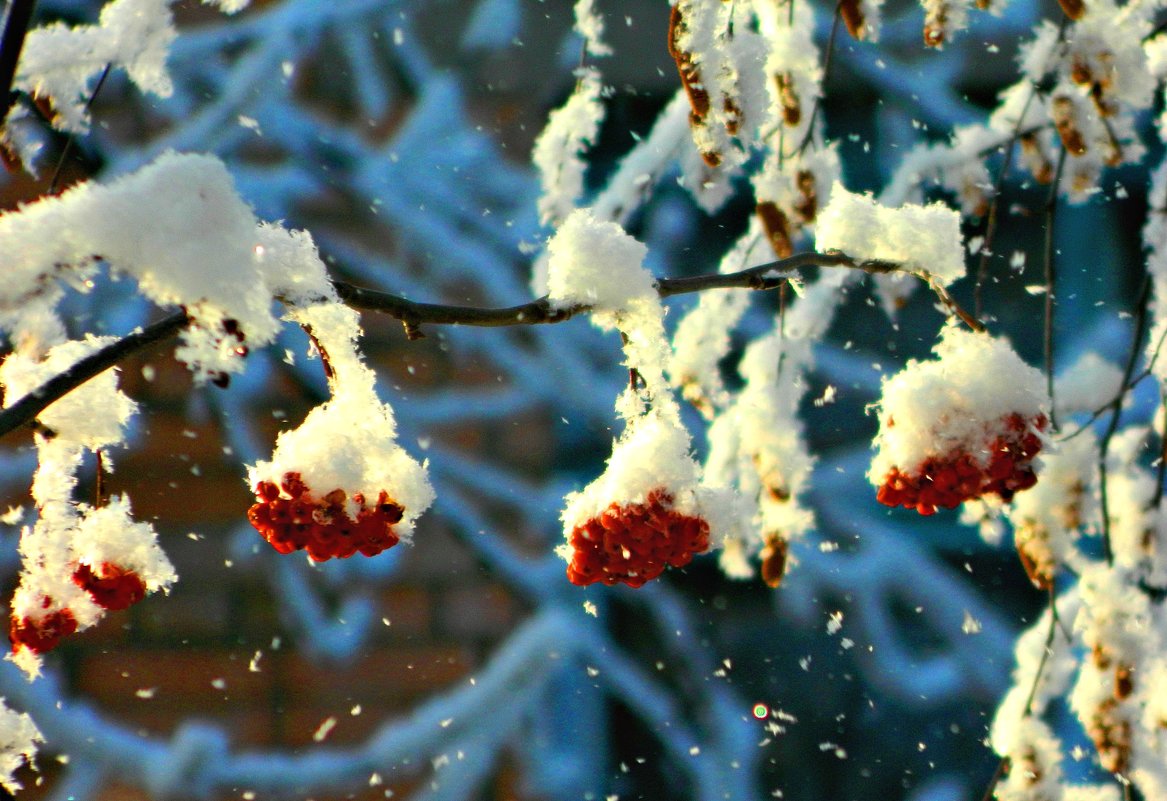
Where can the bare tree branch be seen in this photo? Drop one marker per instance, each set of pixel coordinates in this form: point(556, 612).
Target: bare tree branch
point(413, 315)
point(11, 43)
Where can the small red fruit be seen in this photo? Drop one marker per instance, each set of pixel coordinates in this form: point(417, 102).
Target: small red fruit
point(42, 634)
point(949, 480)
point(633, 544)
point(111, 587)
point(322, 527)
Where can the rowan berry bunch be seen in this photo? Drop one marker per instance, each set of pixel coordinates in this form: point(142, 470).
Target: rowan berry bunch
point(1003, 466)
point(110, 586)
point(950, 432)
point(634, 543)
point(291, 519)
point(40, 634)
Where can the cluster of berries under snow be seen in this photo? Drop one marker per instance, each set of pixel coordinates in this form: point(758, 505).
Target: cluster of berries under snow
point(291, 518)
point(649, 509)
point(964, 425)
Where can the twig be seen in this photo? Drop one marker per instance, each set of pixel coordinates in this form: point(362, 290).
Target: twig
point(1003, 765)
point(27, 408)
point(1104, 443)
point(1051, 207)
point(994, 207)
point(808, 137)
point(11, 43)
point(69, 140)
point(413, 315)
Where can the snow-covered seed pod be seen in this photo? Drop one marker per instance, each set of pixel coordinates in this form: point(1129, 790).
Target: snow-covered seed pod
point(777, 228)
point(1064, 111)
point(691, 81)
point(1034, 158)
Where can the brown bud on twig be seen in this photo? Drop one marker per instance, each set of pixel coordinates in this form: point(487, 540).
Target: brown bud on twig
point(806, 205)
point(853, 18)
point(1065, 116)
point(1074, 9)
point(773, 558)
point(791, 104)
point(1034, 159)
point(777, 228)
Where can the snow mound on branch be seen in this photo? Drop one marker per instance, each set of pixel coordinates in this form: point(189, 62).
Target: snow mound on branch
point(595, 263)
point(924, 239)
point(93, 416)
point(178, 227)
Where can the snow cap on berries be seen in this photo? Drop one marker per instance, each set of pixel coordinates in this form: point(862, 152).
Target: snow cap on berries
point(925, 239)
point(596, 263)
point(646, 511)
point(977, 408)
point(108, 540)
point(344, 458)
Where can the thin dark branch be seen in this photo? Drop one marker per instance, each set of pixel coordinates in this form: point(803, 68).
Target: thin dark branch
point(1003, 765)
point(1051, 208)
point(27, 408)
point(537, 312)
point(808, 137)
point(413, 315)
point(994, 209)
point(11, 43)
point(69, 140)
point(1112, 426)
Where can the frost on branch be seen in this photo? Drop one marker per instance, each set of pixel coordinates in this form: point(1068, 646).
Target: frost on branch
point(338, 484)
point(589, 24)
point(966, 424)
point(648, 510)
point(1048, 519)
point(18, 739)
point(570, 131)
point(59, 63)
point(925, 239)
point(178, 227)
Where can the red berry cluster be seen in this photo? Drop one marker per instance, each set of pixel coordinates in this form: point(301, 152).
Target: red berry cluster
point(949, 480)
point(111, 587)
point(634, 543)
point(42, 634)
point(291, 519)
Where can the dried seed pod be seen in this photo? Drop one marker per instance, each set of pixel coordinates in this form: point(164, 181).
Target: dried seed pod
point(1124, 683)
point(806, 206)
point(1074, 9)
point(853, 18)
point(1034, 159)
point(733, 115)
point(773, 558)
point(791, 104)
point(777, 228)
point(1065, 116)
point(1032, 544)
